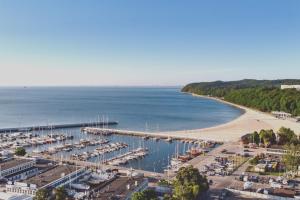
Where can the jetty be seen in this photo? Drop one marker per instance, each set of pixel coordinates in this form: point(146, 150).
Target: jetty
point(58, 126)
point(167, 136)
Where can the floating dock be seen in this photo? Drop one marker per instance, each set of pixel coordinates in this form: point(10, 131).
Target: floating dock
point(58, 126)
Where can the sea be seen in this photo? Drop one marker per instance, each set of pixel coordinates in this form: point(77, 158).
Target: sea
point(134, 108)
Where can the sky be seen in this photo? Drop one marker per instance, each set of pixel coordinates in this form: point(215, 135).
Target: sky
point(147, 43)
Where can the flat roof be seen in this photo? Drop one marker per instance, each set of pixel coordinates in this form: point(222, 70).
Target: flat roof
point(51, 175)
point(117, 188)
point(12, 163)
point(21, 172)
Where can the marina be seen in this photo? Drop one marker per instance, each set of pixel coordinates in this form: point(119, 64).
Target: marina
point(139, 151)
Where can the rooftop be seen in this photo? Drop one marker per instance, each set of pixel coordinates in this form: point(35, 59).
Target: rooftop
point(117, 188)
point(12, 163)
point(51, 175)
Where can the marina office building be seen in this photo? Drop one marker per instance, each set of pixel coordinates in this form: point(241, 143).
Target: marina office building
point(59, 175)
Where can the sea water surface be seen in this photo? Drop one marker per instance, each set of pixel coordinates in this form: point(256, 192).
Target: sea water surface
point(135, 108)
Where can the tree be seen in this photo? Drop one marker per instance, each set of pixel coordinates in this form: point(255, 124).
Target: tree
point(292, 158)
point(254, 138)
point(60, 193)
point(42, 194)
point(189, 184)
point(262, 95)
point(20, 151)
point(268, 137)
point(145, 195)
point(287, 136)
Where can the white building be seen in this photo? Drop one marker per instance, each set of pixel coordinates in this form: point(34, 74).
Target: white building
point(297, 87)
point(59, 175)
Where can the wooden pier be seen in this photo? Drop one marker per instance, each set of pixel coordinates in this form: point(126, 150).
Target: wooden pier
point(57, 126)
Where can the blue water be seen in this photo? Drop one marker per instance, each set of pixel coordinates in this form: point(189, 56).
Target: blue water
point(151, 109)
point(135, 108)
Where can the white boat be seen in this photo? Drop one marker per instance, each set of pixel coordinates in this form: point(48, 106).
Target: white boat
point(248, 185)
point(85, 178)
point(80, 186)
point(95, 181)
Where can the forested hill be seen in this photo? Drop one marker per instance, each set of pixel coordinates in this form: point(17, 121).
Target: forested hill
point(264, 95)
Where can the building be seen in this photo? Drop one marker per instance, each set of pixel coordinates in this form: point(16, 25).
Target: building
point(57, 176)
point(121, 188)
point(281, 115)
point(7, 196)
point(260, 168)
point(16, 169)
point(297, 87)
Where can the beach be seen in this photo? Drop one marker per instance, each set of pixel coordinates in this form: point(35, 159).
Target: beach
point(251, 120)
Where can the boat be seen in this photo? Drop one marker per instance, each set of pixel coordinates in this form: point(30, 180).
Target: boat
point(80, 186)
point(248, 185)
point(95, 181)
point(195, 152)
point(85, 178)
point(184, 158)
point(67, 149)
point(169, 139)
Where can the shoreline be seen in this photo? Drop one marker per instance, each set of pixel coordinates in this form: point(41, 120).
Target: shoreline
point(249, 121)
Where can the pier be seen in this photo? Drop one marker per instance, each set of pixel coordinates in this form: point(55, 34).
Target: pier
point(168, 136)
point(58, 126)
point(106, 166)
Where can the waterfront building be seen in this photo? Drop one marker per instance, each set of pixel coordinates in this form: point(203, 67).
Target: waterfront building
point(16, 169)
point(297, 87)
point(281, 115)
point(57, 176)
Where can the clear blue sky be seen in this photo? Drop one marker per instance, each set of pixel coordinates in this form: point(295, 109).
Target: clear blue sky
point(157, 42)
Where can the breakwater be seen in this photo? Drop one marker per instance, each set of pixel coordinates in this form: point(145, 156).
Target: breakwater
point(58, 126)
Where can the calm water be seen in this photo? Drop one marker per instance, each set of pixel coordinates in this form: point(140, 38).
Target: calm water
point(160, 152)
point(134, 108)
point(149, 109)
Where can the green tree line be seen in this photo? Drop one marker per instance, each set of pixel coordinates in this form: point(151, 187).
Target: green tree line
point(284, 136)
point(265, 96)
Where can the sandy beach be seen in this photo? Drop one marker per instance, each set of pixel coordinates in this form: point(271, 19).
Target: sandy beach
point(248, 122)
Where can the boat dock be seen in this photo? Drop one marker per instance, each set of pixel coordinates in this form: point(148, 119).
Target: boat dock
point(58, 126)
point(105, 166)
